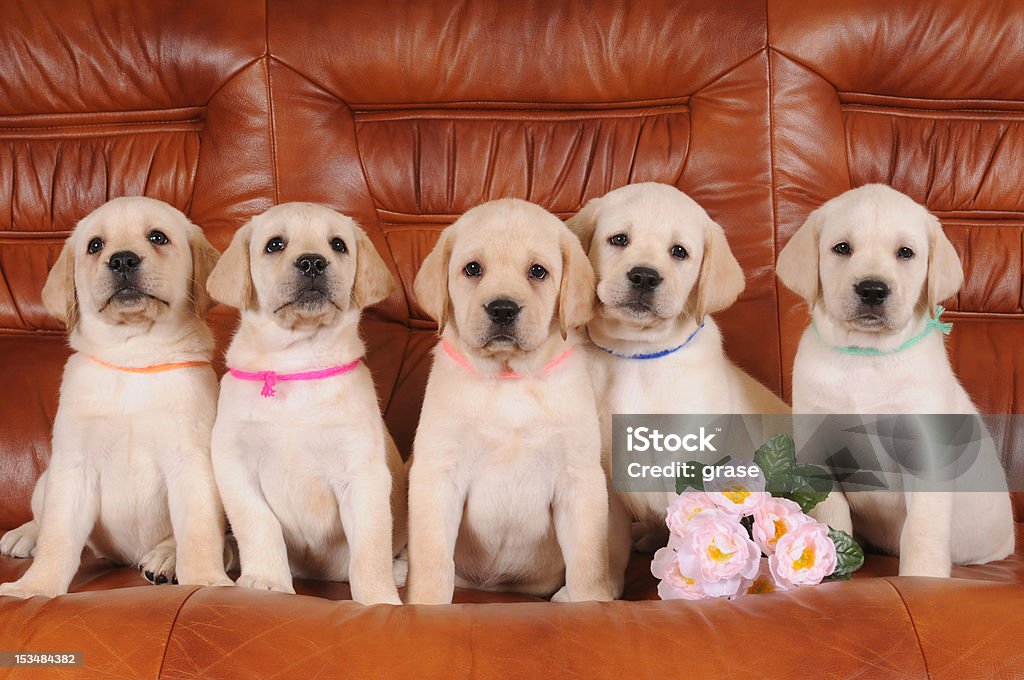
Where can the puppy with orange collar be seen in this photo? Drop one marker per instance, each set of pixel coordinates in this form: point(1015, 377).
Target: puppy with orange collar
point(130, 474)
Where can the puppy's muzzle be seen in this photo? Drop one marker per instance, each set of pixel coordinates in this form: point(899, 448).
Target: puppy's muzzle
point(872, 292)
point(643, 279)
point(311, 265)
point(124, 263)
point(502, 312)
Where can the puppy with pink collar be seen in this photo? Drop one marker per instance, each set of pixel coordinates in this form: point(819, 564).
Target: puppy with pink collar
point(311, 480)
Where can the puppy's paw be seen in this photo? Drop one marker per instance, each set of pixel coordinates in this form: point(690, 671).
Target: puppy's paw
point(26, 589)
point(157, 566)
point(400, 570)
point(385, 596)
point(562, 595)
point(20, 542)
point(596, 592)
point(206, 578)
point(924, 568)
point(261, 582)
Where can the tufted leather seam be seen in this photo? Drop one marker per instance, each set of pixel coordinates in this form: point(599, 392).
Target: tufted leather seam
point(927, 103)
point(170, 630)
point(805, 66)
point(933, 114)
point(513, 114)
point(913, 625)
point(184, 122)
point(270, 103)
point(774, 195)
point(272, 131)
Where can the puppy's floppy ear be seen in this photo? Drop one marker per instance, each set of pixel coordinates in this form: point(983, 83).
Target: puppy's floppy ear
point(797, 264)
point(230, 282)
point(721, 277)
point(204, 259)
point(945, 273)
point(584, 222)
point(576, 292)
point(373, 281)
point(431, 283)
point(59, 294)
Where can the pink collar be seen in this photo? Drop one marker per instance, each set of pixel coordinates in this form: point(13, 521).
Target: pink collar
point(464, 362)
point(270, 378)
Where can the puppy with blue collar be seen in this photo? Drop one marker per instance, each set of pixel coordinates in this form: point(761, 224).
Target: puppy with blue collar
point(872, 265)
point(663, 267)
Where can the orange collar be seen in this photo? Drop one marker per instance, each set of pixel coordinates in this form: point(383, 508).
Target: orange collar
point(464, 362)
point(157, 368)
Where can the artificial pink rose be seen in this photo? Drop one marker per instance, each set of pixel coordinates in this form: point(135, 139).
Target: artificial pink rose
point(804, 556)
point(674, 585)
point(775, 518)
point(737, 495)
point(763, 582)
point(685, 508)
point(717, 548)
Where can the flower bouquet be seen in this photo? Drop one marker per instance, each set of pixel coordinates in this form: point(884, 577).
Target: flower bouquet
point(742, 534)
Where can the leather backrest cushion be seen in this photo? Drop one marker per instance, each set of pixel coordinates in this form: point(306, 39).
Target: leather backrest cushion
point(133, 98)
point(407, 115)
point(900, 93)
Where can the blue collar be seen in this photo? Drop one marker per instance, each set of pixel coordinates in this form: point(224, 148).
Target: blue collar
point(653, 355)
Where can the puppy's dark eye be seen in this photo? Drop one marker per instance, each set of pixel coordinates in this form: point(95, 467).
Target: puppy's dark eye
point(905, 253)
point(842, 248)
point(537, 272)
point(473, 269)
point(158, 238)
point(619, 240)
point(275, 245)
point(338, 245)
point(679, 252)
point(95, 246)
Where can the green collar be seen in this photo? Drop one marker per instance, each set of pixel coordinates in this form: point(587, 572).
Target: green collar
point(933, 324)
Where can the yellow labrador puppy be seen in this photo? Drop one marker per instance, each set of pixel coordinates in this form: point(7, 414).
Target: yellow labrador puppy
point(663, 267)
point(309, 475)
point(872, 265)
point(130, 470)
point(506, 490)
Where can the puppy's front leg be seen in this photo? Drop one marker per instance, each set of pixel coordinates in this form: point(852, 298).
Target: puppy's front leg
point(834, 511)
point(435, 512)
point(70, 509)
point(365, 508)
point(261, 547)
point(581, 525)
point(925, 548)
point(197, 518)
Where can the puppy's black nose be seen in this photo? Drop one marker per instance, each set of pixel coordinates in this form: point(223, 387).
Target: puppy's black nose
point(124, 262)
point(872, 292)
point(502, 312)
point(311, 265)
point(643, 278)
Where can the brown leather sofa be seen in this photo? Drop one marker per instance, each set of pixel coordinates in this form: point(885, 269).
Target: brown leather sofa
point(404, 115)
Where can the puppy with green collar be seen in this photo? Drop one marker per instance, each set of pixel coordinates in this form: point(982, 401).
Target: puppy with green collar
point(872, 265)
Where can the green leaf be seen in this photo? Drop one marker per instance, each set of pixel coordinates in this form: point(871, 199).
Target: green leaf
point(806, 497)
point(696, 480)
point(849, 555)
point(777, 460)
point(809, 486)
